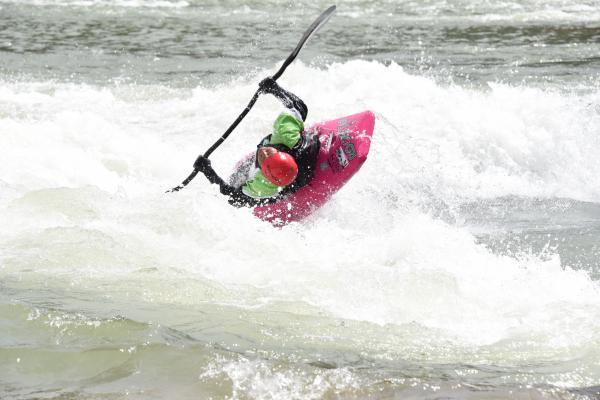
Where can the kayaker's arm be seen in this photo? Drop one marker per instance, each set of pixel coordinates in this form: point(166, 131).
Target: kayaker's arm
point(290, 100)
point(236, 197)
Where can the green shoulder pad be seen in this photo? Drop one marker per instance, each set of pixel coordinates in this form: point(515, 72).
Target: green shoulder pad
point(259, 187)
point(287, 130)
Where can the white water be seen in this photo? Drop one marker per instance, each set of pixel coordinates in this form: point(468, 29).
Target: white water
point(82, 207)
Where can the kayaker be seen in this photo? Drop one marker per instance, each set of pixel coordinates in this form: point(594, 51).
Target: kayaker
point(284, 160)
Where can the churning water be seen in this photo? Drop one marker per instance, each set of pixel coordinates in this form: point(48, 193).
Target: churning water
point(461, 262)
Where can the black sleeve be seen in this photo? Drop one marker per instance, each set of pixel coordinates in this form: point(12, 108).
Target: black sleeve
point(290, 100)
point(237, 198)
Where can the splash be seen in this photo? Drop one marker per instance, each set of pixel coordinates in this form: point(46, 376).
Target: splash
point(379, 268)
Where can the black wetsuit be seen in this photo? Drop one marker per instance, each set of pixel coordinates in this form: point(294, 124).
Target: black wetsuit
point(305, 154)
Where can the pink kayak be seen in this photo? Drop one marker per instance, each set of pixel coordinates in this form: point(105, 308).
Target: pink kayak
point(345, 144)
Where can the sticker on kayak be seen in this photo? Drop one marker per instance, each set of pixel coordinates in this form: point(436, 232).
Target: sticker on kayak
point(344, 152)
point(341, 158)
point(340, 147)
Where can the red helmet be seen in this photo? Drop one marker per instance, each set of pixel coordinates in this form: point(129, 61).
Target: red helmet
point(280, 168)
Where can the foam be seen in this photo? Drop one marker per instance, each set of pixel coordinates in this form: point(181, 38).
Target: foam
point(372, 254)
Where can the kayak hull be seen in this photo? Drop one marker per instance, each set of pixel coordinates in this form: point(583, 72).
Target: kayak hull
point(345, 144)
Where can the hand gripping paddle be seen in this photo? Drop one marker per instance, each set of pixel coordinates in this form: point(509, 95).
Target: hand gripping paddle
point(314, 27)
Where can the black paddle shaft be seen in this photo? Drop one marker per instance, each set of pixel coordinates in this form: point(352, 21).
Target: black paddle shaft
point(314, 27)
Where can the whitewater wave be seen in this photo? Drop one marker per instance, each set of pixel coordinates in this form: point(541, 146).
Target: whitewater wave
point(453, 141)
point(84, 170)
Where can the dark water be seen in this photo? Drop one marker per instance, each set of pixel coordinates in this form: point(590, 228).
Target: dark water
point(186, 43)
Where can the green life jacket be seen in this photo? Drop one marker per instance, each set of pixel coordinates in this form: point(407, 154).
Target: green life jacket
point(305, 153)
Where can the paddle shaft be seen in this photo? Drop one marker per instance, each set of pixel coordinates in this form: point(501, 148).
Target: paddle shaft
point(234, 125)
point(320, 21)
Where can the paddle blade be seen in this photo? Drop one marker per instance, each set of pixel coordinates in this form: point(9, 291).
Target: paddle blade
point(312, 29)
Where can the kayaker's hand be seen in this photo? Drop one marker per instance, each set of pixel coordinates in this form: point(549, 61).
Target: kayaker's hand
point(267, 84)
point(202, 164)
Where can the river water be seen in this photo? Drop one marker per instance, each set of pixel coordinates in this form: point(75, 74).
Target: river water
point(461, 262)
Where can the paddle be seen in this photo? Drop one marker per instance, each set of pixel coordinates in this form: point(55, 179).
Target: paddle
point(314, 27)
